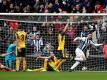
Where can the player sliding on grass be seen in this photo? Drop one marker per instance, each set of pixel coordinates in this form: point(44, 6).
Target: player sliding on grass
point(49, 59)
point(84, 43)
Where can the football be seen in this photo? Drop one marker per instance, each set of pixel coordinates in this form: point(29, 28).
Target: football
point(84, 68)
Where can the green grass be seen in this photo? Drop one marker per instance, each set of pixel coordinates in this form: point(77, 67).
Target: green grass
point(53, 76)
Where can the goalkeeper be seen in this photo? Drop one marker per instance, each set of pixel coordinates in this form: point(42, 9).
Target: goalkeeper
point(9, 58)
point(10, 55)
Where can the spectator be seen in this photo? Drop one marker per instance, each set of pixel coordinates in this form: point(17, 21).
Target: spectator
point(77, 9)
point(87, 6)
point(27, 9)
point(103, 34)
point(84, 10)
point(53, 6)
point(2, 40)
point(84, 33)
point(37, 43)
point(50, 37)
point(99, 8)
point(105, 50)
point(11, 8)
point(17, 9)
point(35, 31)
point(47, 49)
point(3, 6)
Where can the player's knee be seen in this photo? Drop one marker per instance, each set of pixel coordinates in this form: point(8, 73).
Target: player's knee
point(24, 58)
point(46, 59)
point(79, 59)
point(17, 58)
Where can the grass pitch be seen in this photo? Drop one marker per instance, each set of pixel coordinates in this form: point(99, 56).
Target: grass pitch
point(53, 75)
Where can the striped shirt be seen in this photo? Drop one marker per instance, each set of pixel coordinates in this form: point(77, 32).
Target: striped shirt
point(84, 43)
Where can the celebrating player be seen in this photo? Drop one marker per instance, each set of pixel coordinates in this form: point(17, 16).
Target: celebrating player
point(84, 43)
point(21, 45)
point(61, 45)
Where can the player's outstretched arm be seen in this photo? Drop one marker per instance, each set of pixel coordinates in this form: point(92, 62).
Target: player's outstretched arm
point(94, 45)
point(77, 38)
point(65, 28)
point(41, 57)
point(6, 54)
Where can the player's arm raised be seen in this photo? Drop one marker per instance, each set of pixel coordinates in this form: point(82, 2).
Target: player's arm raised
point(79, 38)
point(65, 28)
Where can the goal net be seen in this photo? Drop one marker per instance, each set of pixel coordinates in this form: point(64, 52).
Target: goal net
point(46, 27)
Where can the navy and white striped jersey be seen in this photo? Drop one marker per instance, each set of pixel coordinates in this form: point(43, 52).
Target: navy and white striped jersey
point(84, 43)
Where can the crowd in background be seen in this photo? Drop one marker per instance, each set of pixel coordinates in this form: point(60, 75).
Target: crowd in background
point(43, 36)
point(53, 6)
point(38, 34)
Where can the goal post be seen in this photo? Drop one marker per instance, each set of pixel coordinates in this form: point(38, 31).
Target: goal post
point(47, 27)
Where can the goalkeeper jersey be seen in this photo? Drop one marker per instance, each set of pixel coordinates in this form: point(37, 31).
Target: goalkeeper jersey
point(11, 48)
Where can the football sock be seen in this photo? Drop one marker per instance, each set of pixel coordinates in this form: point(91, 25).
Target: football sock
point(24, 64)
point(17, 63)
point(60, 63)
point(75, 65)
point(45, 64)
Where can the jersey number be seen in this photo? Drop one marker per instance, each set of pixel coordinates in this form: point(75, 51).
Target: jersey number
point(22, 37)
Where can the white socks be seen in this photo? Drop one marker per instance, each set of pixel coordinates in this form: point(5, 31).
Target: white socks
point(75, 65)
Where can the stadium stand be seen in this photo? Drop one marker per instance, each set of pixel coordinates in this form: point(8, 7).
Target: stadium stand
point(53, 6)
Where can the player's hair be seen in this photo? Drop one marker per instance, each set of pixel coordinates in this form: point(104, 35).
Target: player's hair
point(90, 32)
point(20, 27)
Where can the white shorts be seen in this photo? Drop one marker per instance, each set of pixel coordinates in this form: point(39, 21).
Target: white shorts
point(80, 56)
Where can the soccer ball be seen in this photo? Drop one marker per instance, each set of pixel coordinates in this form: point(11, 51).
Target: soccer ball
point(84, 68)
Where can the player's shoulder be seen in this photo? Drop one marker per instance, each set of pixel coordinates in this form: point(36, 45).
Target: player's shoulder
point(18, 32)
point(83, 38)
point(12, 45)
point(25, 32)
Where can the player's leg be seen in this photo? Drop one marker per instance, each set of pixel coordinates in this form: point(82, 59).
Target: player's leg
point(24, 63)
point(10, 63)
point(23, 51)
point(6, 62)
point(60, 63)
point(53, 62)
point(61, 59)
point(79, 57)
point(45, 64)
point(17, 63)
point(36, 70)
point(18, 54)
point(39, 70)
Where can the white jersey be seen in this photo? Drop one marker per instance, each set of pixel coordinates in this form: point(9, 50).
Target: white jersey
point(84, 43)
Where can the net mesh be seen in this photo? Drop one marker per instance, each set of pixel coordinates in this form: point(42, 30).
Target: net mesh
point(47, 27)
